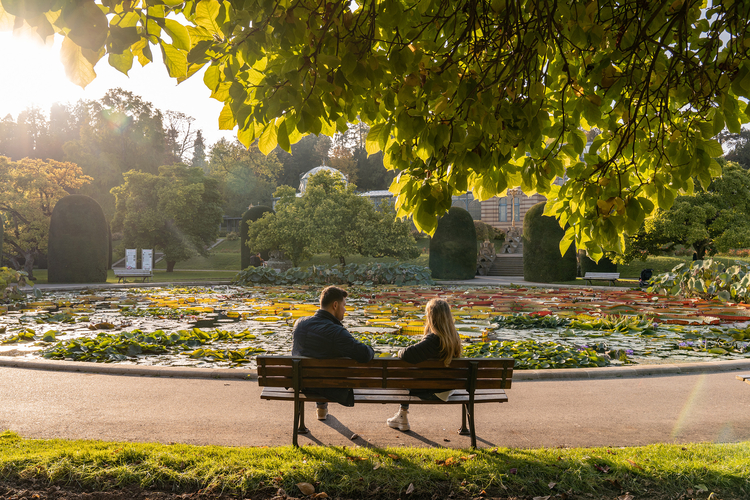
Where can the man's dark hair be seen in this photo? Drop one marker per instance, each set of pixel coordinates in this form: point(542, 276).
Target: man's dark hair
point(331, 294)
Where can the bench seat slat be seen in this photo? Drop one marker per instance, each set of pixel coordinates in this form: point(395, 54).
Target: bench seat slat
point(270, 361)
point(384, 397)
point(413, 372)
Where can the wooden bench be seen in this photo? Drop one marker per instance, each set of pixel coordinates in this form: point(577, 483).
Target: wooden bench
point(745, 377)
point(131, 265)
point(385, 380)
point(611, 277)
point(123, 273)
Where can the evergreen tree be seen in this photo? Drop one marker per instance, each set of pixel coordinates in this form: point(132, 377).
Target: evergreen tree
point(199, 152)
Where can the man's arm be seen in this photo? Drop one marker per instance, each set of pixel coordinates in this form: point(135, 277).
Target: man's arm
point(349, 347)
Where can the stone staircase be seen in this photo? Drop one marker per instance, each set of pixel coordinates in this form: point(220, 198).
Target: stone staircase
point(507, 265)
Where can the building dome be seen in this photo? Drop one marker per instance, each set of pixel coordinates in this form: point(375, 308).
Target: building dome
point(322, 168)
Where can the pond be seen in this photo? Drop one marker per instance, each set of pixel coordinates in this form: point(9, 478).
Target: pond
point(228, 326)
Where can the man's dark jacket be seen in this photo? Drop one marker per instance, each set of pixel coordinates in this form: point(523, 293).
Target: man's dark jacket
point(322, 336)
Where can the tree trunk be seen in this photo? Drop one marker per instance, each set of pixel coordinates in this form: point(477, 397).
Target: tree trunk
point(28, 266)
point(170, 265)
point(342, 261)
point(700, 250)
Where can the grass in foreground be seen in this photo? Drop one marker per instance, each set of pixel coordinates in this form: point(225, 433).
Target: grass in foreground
point(655, 471)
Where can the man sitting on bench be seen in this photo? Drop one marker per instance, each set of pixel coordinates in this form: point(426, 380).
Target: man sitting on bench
point(323, 336)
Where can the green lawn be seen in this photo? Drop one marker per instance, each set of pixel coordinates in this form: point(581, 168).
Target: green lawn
point(655, 471)
point(160, 276)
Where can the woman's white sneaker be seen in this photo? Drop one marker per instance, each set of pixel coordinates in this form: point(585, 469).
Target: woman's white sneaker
point(399, 421)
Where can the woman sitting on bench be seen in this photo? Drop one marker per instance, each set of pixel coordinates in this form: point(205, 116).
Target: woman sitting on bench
point(440, 341)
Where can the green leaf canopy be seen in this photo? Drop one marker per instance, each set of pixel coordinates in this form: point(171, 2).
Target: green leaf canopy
point(461, 95)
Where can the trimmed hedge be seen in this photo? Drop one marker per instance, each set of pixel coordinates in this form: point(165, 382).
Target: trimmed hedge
point(604, 266)
point(542, 262)
point(453, 248)
point(352, 274)
point(78, 242)
point(251, 215)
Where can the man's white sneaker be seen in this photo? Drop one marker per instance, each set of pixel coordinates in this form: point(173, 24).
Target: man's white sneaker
point(322, 413)
point(399, 421)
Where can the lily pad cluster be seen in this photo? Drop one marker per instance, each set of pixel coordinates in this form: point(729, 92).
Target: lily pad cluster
point(229, 326)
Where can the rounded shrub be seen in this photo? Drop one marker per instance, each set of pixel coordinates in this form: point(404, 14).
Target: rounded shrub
point(542, 262)
point(453, 248)
point(251, 215)
point(78, 250)
point(604, 265)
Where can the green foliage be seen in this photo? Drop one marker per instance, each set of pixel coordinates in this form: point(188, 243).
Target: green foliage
point(107, 347)
point(250, 215)
point(245, 175)
point(432, 81)
point(353, 274)
point(542, 237)
point(78, 242)
point(710, 220)
point(707, 279)
point(331, 218)
point(487, 232)
point(29, 190)
point(533, 355)
point(453, 247)
point(177, 211)
point(605, 265)
point(2, 236)
point(528, 321)
point(9, 281)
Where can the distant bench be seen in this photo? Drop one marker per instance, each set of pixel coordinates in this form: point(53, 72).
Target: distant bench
point(131, 265)
point(386, 380)
point(611, 277)
point(123, 273)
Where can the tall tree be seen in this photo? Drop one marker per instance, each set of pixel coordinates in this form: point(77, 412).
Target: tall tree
point(29, 189)
point(180, 135)
point(711, 220)
point(461, 95)
point(199, 151)
point(118, 133)
point(331, 218)
point(177, 211)
point(245, 175)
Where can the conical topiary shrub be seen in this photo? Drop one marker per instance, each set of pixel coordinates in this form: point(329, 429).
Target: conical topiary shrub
point(453, 248)
point(542, 262)
point(78, 242)
point(251, 215)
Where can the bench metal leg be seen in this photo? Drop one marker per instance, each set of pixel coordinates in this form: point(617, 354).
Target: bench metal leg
point(472, 428)
point(296, 423)
point(463, 431)
point(302, 429)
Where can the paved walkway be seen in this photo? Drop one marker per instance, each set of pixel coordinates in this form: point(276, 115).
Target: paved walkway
point(693, 407)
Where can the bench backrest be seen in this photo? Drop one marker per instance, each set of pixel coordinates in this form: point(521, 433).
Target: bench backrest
point(385, 373)
point(604, 276)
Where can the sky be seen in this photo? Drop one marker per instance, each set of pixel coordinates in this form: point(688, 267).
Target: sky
point(31, 74)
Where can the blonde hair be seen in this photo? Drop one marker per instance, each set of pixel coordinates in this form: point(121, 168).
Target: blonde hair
point(439, 320)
